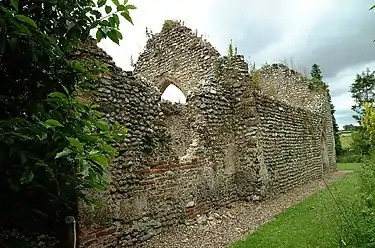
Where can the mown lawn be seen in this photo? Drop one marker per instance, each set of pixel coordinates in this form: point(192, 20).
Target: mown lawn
point(311, 223)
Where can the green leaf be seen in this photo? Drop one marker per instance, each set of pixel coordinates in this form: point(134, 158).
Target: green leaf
point(102, 125)
point(57, 95)
point(27, 176)
point(63, 153)
point(116, 125)
point(99, 158)
point(113, 36)
point(42, 136)
point(130, 6)
point(15, 3)
point(97, 113)
point(372, 7)
point(23, 30)
point(98, 186)
point(112, 22)
point(84, 168)
point(100, 35)
point(125, 2)
point(27, 20)
point(122, 131)
point(41, 164)
point(66, 90)
point(101, 3)
point(121, 8)
point(52, 122)
point(127, 17)
point(74, 142)
point(117, 20)
point(79, 66)
point(90, 138)
point(108, 9)
point(119, 35)
point(116, 2)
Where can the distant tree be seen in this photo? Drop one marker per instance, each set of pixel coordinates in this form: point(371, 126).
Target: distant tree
point(362, 90)
point(349, 127)
point(317, 81)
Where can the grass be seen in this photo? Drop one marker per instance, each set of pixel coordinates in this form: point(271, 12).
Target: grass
point(346, 140)
point(312, 222)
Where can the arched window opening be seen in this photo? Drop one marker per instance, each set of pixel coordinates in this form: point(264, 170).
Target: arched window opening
point(173, 94)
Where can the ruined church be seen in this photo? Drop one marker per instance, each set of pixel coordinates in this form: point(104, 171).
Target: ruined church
point(241, 135)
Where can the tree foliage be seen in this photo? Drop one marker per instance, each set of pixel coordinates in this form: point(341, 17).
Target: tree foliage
point(53, 147)
point(317, 82)
point(349, 127)
point(316, 73)
point(362, 90)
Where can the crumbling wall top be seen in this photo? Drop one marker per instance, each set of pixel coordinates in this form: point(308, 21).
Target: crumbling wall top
point(176, 56)
point(284, 84)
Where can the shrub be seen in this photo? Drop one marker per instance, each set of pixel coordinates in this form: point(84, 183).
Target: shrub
point(52, 146)
point(358, 225)
point(349, 156)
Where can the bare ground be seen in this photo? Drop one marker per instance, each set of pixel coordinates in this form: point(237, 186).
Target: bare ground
point(227, 225)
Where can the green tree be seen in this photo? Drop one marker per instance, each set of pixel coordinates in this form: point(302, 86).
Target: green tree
point(316, 73)
point(53, 147)
point(362, 90)
point(349, 127)
point(317, 81)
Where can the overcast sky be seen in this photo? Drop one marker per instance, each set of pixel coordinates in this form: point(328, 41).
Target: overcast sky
point(336, 34)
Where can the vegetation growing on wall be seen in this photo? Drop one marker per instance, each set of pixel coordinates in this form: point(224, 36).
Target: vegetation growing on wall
point(231, 53)
point(54, 147)
point(171, 24)
point(255, 77)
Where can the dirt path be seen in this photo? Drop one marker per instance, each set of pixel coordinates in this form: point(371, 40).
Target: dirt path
point(227, 225)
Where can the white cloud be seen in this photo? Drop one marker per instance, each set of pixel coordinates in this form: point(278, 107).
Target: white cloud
point(271, 30)
point(341, 83)
point(152, 14)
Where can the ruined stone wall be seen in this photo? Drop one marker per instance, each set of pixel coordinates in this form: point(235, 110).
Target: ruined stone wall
point(289, 86)
point(161, 177)
point(286, 85)
point(176, 56)
point(291, 140)
point(178, 126)
point(227, 143)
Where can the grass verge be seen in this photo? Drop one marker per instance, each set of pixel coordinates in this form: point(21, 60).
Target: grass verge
point(312, 222)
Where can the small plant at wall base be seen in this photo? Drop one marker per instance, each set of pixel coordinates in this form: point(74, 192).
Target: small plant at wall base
point(54, 147)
